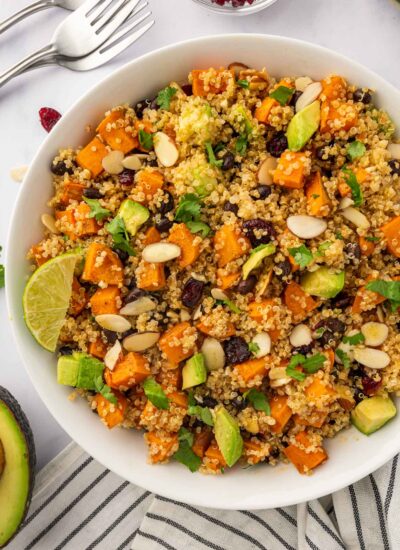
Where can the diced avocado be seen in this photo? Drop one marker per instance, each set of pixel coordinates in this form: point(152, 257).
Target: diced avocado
point(67, 370)
point(134, 215)
point(227, 434)
point(204, 181)
point(196, 123)
point(256, 257)
point(323, 282)
point(194, 372)
point(17, 466)
point(242, 118)
point(89, 370)
point(303, 125)
point(372, 413)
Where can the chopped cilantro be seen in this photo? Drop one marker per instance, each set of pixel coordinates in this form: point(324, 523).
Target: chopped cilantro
point(164, 97)
point(388, 289)
point(355, 150)
point(301, 255)
point(372, 239)
point(323, 247)
point(185, 454)
point(315, 196)
point(309, 364)
point(352, 182)
point(282, 94)
point(345, 359)
point(258, 400)
point(254, 347)
point(314, 363)
point(120, 236)
point(146, 140)
point(291, 370)
point(105, 390)
point(339, 235)
point(96, 210)
point(203, 413)
point(241, 144)
point(211, 155)
point(354, 340)
point(189, 208)
point(199, 227)
point(155, 394)
point(243, 83)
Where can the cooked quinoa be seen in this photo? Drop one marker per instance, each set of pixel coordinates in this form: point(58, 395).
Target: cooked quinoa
point(284, 348)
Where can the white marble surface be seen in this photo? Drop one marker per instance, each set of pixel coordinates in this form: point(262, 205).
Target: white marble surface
point(366, 30)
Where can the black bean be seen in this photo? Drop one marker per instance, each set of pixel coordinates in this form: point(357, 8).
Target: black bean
point(236, 350)
point(394, 166)
point(305, 349)
point(209, 402)
point(274, 453)
point(65, 350)
point(364, 96)
point(230, 207)
point(141, 106)
point(264, 229)
point(277, 144)
point(167, 203)
point(164, 225)
point(239, 403)
point(261, 192)
point(154, 105)
point(353, 252)
point(187, 89)
point(192, 292)
point(295, 97)
point(283, 269)
point(246, 286)
point(110, 336)
point(59, 169)
point(228, 161)
point(134, 294)
point(92, 193)
point(127, 177)
point(341, 301)
point(122, 254)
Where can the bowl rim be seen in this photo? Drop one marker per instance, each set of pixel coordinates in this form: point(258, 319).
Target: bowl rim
point(246, 9)
point(344, 479)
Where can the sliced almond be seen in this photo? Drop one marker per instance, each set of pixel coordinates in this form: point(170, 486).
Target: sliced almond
point(214, 355)
point(356, 217)
point(157, 253)
point(263, 341)
point(132, 162)
point(50, 223)
point(140, 341)
point(347, 349)
point(112, 163)
point(198, 312)
point(139, 306)
point(112, 355)
point(184, 315)
point(374, 333)
point(345, 203)
point(310, 94)
point(306, 227)
point(300, 336)
point(264, 174)
point(394, 150)
point(280, 382)
point(276, 373)
point(372, 358)
point(165, 149)
point(302, 82)
point(219, 294)
point(115, 323)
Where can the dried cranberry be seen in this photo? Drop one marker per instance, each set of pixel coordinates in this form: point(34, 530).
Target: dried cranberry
point(305, 349)
point(236, 350)
point(126, 177)
point(277, 144)
point(48, 117)
point(230, 207)
point(264, 229)
point(59, 169)
point(261, 192)
point(110, 336)
point(246, 286)
point(370, 386)
point(187, 88)
point(192, 292)
point(239, 403)
point(334, 330)
point(167, 203)
point(122, 254)
point(342, 301)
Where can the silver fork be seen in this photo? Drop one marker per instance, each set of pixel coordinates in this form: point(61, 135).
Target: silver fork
point(38, 6)
point(82, 32)
point(111, 48)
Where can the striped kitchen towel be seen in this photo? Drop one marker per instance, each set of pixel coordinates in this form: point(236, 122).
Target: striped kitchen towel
point(80, 505)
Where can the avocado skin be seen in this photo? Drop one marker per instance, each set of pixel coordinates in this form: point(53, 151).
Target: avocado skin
point(23, 423)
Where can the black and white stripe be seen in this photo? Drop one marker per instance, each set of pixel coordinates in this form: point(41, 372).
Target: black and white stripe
point(80, 504)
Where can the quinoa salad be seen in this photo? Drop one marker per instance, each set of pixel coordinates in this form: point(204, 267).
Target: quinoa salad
point(230, 278)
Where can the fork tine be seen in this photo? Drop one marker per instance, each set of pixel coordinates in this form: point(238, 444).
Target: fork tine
point(123, 28)
point(98, 11)
point(89, 6)
point(115, 16)
point(124, 32)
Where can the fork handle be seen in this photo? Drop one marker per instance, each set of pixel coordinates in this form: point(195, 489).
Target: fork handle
point(25, 12)
point(30, 62)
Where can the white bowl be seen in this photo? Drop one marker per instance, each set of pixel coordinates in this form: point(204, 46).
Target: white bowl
point(228, 9)
point(352, 455)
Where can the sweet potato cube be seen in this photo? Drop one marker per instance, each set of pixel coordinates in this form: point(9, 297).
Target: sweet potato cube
point(209, 328)
point(366, 300)
point(298, 301)
point(161, 445)
point(102, 264)
point(280, 412)
point(133, 369)
point(98, 348)
point(391, 232)
point(303, 460)
point(105, 300)
point(149, 182)
point(67, 222)
point(230, 244)
point(91, 156)
point(71, 191)
point(226, 280)
point(112, 131)
point(150, 276)
point(37, 254)
point(179, 398)
point(264, 110)
point(318, 202)
point(172, 345)
point(291, 170)
point(78, 298)
point(152, 236)
point(216, 460)
point(367, 247)
point(318, 389)
point(201, 442)
point(335, 119)
point(186, 240)
point(333, 87)
point(361, 175)
point(250, 369)
point(218, 80)
point(84, 225)
point(112, 415)
point(266, 311)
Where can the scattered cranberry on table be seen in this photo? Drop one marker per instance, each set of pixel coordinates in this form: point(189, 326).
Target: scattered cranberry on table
point(235, 3)
point(48, 117)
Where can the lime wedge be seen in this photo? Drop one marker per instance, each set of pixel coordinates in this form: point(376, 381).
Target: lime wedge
point(46, 298)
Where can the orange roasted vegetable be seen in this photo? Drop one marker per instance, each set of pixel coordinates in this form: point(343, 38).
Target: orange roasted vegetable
point(251, 369)
point(112, 415)
point(318, 202)
point(342, 116)
point(109, 269)
point(267, 311)
point(152, 236)
point(98, 348)
point(216, 332)
point(190, 249)
point(298, 301)
point(316, 419)
point(147, 127)
point(105, 300)
point(333, 87)
point(217, 81)
point(133, 369)
point(366, 299)
point(343, 188)
point(37, 254)
point(230, 244)
point(202, 441)
point(71, 191)
point(391, 232)
point(367, 247)
point(84, 225)
point(149, 182)
point(280, 412)
point(161, 445)
point(264, 110)
point(112, 130)
point(226, 280)
point(317, 389)
point(150, 276)
point(291, 170)
point(172, 345)
point(78, 298)
point(216, 460)
point(91, 156)
point(67, 222)
point(303, 460)
point(255, 451)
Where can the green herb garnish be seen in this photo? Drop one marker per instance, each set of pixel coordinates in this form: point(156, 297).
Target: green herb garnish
point(282, 94)
point(105, 390)
point(389, 289)
point(314, 363)
point(199, 227)
point(258, 400)
point(155, 394)
point(243, 83)
point(211, 155)
point(96, 210)
point(309, 364)
point(254, 347)
point(323, 247)
point(164, 97)
point(189, 208)
point(355, 150)
point(345, 359)
point(358, 338)
point(339, 236)
point(241, 144)
point(203, 413)
point(352, 182)
point(372, 239)
point(120, 236)
point(232, 306)
point(146, 140)
point(185, 454)
point(301, 255)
